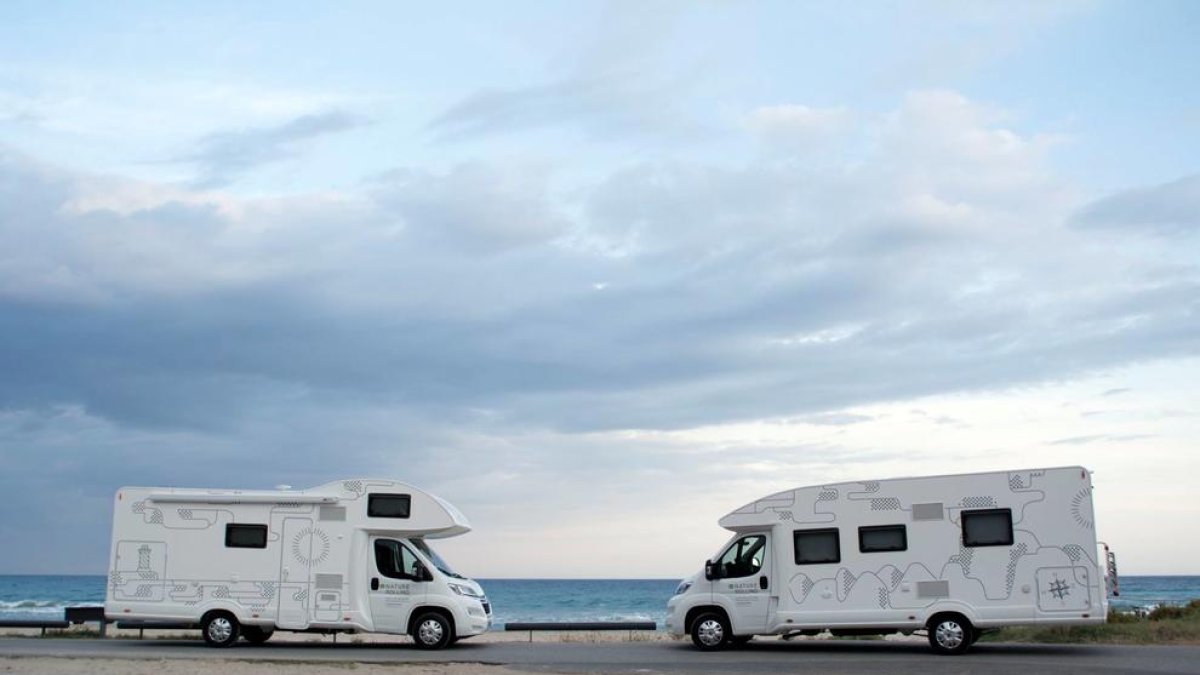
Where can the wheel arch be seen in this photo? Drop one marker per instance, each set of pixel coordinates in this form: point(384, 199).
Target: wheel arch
point(420, 610)
point(960, 608)
point(696, 611)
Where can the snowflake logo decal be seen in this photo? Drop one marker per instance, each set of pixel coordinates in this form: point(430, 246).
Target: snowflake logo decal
point(1059, 588)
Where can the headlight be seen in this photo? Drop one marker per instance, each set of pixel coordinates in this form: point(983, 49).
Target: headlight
point(465, 590)
point(683, 587)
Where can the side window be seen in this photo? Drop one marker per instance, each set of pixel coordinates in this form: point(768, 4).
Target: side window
point(743, 558)
point(817, 546)
point(388, 506)
point(987, 527)
point(408, 562)
point(880, 538)
point(394, 560)
point(241, 535)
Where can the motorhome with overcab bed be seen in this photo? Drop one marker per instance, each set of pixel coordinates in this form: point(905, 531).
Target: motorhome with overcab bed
point(952, 555)
point(351, 556)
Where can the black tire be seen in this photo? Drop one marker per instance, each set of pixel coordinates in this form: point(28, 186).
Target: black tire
point(257, 634)
point(976, 633)
point(220, 629)
point(950, 634)
point(710, 632)
point(432, 630)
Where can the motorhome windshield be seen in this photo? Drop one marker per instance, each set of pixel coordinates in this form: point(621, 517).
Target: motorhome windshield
point(442, 565)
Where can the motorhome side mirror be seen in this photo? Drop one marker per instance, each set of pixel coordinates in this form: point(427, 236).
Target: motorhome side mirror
point(421, 573)
point(710, 570)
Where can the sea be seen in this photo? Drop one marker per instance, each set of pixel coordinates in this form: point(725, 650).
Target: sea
point(44, 597)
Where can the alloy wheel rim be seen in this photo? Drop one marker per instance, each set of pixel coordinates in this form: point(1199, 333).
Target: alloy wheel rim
point(711, 632)
point(220, 629)
point(431, 632)
point(949, 634)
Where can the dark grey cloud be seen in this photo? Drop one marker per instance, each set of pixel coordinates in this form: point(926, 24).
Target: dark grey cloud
point(1168, 209)
point(221, 157)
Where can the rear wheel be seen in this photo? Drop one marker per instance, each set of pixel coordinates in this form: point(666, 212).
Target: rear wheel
point(220, 629)
point(950, 634)
point(257, 634)
point(710, 631)
point(432, 630)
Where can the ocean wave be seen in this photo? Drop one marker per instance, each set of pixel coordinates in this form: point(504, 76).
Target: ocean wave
point(31, 604)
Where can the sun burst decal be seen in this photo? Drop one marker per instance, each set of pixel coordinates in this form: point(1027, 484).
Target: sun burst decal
point(310, 546)
point(1081, 509)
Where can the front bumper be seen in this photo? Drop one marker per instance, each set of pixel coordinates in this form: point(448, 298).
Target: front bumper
point(675, 618)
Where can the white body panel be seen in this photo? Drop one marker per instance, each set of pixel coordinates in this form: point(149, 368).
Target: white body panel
point(1051, 572)
point(170, 560)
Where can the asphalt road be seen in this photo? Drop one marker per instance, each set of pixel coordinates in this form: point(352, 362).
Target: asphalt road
point(647, 658)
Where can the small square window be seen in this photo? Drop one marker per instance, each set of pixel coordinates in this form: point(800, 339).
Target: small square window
point(388, 506)
point(987, 527)
point(817, 546)
point(879, 538)
point(240, 535)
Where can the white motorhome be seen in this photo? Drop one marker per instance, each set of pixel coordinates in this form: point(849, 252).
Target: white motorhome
point(952, 555)
point(346, 557)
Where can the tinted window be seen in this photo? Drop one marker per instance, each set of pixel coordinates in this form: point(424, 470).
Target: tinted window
point(987, 527)
point(817, 546)
point(882, 538)
point(394, 560)
point(245, 536)
point(388, 506)
point(742, 559)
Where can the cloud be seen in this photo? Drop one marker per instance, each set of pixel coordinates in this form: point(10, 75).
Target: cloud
point(506, 208)
point(1169, 209)
point(432, 319)
point(798, 127)
point(220, 157)
point(836, 419)
point(614, 89)
point(1102, 438)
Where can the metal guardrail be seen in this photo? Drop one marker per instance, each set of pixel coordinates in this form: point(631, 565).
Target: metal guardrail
point(581, 625)
point(532, 626)
point(44, 625)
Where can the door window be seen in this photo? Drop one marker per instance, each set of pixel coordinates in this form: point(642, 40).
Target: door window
point(394, 560)
point(744, 558)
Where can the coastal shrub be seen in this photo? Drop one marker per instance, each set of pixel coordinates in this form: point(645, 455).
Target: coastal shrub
point(1117, 616)
point(1166, 624)
point(1166, 612)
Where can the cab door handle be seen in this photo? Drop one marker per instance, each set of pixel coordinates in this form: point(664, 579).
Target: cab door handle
point(374, 583)
point(762, 583)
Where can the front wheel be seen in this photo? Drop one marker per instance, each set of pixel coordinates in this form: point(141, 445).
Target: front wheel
point(950, 634)
point(220, 629)
point(710, 631)
point(432, 631)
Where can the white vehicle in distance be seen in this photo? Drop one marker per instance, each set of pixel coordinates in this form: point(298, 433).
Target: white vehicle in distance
point(951, 555)
point(349, 556)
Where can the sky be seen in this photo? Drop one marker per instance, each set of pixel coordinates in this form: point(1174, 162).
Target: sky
point(596, 273)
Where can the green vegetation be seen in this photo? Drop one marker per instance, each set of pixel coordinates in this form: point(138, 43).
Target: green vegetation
point(1168, 624)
